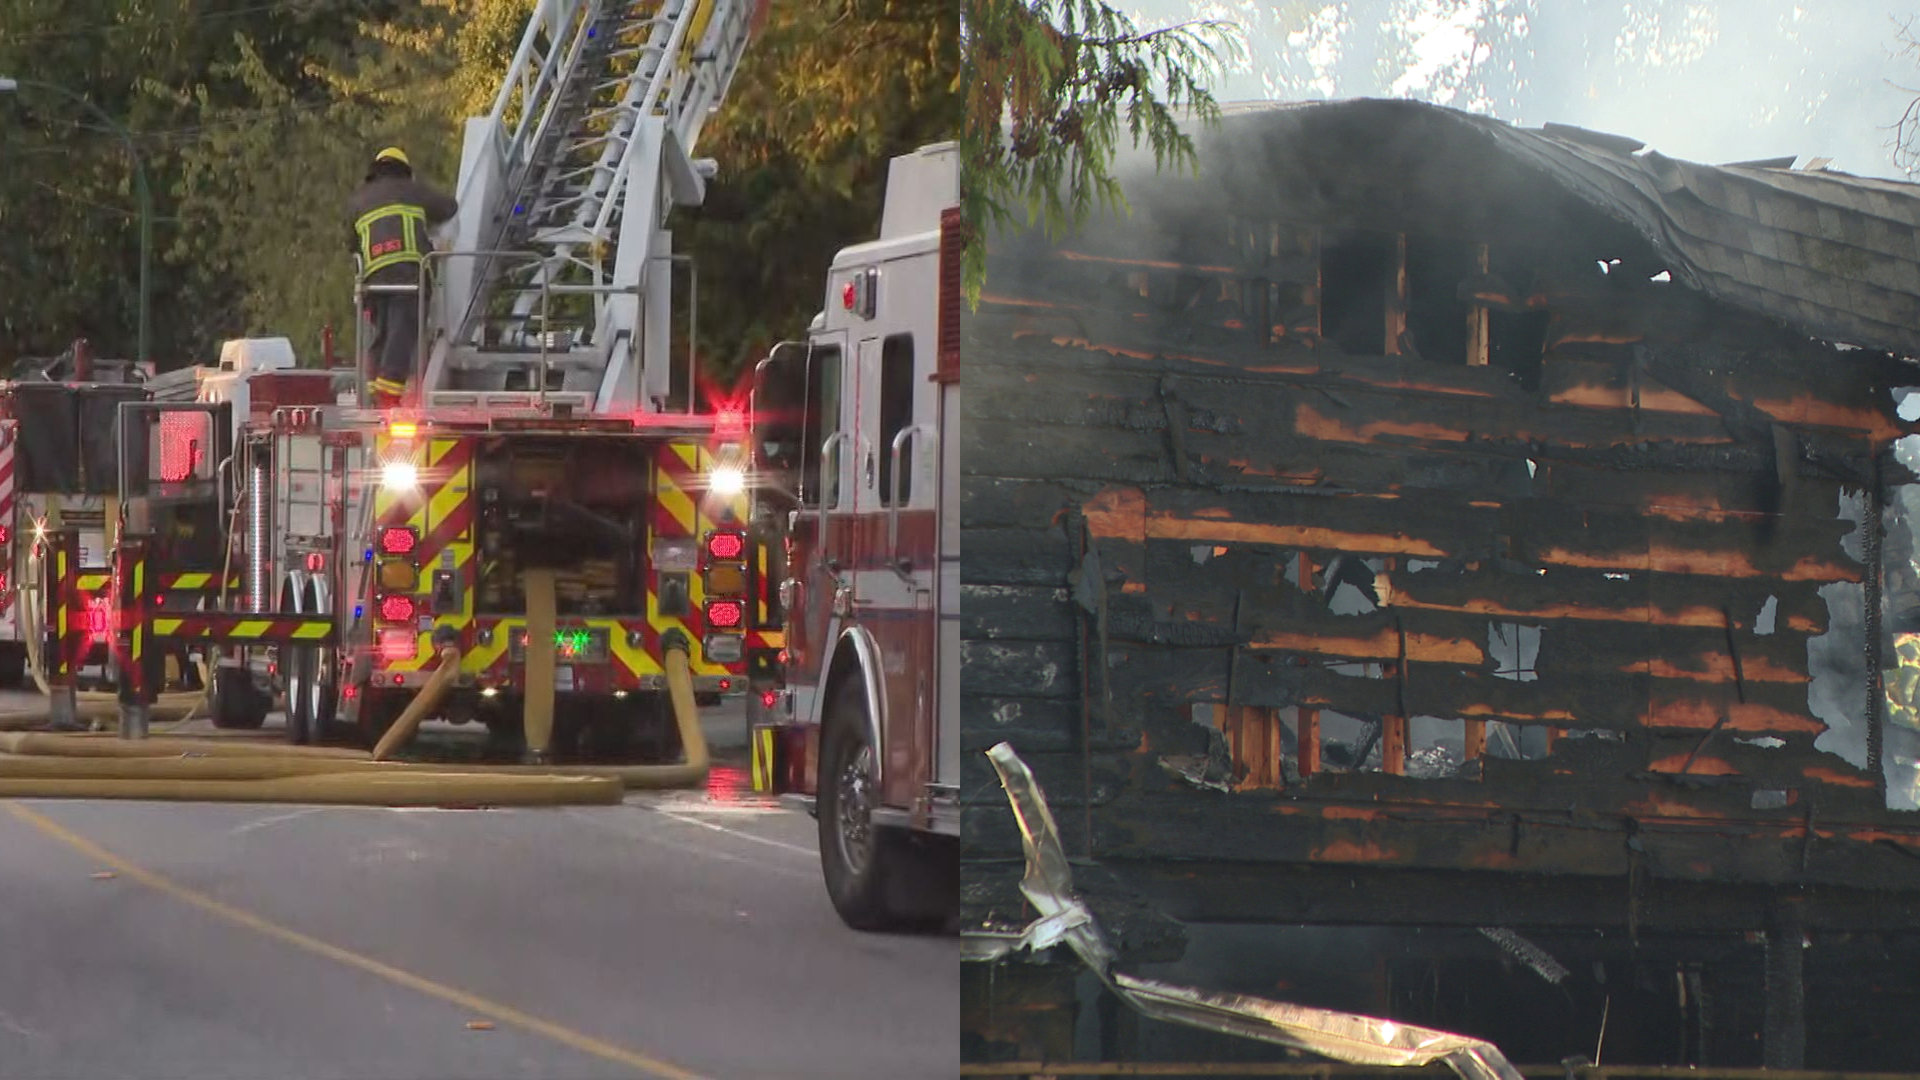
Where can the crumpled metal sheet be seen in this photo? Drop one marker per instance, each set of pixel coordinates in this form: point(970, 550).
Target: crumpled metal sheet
point(1065, 919)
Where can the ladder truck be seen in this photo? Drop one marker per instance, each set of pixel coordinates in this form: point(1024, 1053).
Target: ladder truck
point(538, 517)
point(857, 442)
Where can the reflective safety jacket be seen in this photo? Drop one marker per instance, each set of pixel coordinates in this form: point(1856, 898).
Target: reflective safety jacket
point(390, 217)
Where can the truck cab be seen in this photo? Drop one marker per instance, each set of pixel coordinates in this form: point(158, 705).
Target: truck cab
point(857, 453)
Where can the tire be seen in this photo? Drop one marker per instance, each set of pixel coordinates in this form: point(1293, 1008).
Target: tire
point(856, 858)
point(378, 710)
point(299, 720)
point(313, 698)
point(235, 704)
point(13, 666)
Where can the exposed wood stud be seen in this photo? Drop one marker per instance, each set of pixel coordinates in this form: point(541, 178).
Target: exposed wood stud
point(1478, 319)
point(1393, 745)
point(1396, 327)
point(1309, 739)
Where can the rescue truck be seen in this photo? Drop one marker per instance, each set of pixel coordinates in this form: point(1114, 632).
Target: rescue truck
point(375, 558)
point(857, 450)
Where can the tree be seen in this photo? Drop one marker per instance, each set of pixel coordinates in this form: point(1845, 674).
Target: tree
point(1051, 87)
point(256, 120)
point(830, 92)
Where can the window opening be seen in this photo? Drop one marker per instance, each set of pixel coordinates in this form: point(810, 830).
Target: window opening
point(896, 414)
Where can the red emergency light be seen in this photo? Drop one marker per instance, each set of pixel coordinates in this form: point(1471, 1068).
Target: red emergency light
point(6, 534)
point(725, 614)
point(726, 546)
point(767, 698)
point(396, 609)
point(783, 656)
point(397, 540)
point(183, 445)
point(97, 621)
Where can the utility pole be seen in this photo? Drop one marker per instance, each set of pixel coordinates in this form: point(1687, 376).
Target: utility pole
point(145, 194)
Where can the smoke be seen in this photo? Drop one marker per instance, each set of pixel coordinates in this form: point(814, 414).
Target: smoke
point(1713, 82)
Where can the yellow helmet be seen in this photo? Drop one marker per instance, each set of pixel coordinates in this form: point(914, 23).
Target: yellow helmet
point(393, 154)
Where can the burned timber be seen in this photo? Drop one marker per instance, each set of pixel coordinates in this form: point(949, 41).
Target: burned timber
point(1419, 527)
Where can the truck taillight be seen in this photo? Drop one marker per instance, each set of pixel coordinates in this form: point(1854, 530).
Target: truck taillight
point(397, 540)
point(726, 614)
point(97, 621)
point(724, 546)
point(396, 609)
point(398, 645)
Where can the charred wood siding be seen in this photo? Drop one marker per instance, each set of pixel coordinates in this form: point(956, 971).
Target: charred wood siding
point(1169, 473)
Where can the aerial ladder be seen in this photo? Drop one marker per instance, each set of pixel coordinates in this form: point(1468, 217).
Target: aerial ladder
point(557, 284)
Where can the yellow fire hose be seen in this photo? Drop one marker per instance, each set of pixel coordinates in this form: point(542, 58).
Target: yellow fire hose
point(423, 702)
point(228, 769)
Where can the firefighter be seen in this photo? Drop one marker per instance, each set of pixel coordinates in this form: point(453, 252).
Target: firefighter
point(390, 215)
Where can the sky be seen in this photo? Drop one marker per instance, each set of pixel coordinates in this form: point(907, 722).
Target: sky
point(1703, 81)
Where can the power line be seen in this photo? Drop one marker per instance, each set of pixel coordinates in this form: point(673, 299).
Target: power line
point(197, 132)
point(156, 20)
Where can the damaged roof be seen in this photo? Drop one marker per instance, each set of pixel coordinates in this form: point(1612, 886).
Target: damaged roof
point(1830, 254)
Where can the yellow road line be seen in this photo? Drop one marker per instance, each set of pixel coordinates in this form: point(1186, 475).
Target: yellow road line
point(493, 1010)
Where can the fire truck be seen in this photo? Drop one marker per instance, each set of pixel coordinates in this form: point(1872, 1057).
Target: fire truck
point(542, 472)
point(857, 453)
point(57, 466)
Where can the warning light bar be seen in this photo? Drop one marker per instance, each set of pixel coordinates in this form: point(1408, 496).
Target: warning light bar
point(725, 614)
point(403, 429)
point(398, 540)
point(396, 609)
point(726, 546)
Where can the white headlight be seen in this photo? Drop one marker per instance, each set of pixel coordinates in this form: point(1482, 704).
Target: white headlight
point(726, 481)
point(399, 476)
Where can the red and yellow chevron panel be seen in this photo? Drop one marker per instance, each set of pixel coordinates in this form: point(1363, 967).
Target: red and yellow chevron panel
point(440, 510)
point(683, 508)
point(195, 581)
point(245, 627)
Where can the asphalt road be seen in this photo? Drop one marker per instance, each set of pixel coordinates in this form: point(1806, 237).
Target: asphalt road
point(679, 934)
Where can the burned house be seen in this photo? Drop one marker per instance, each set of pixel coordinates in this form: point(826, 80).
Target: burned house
point(1457, 573)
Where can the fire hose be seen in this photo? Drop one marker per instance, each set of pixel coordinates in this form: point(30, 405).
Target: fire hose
point(538, 585)
point(43, 765)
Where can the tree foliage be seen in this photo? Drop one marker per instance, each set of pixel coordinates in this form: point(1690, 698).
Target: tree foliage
point(256, 121)
point(1052, 85)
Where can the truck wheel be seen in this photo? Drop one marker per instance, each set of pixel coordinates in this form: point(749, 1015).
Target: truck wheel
point(299, 722)
point(313, 697)
point(858, 860)
point(378, 710)
point(13, 665)
point(235, 705)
